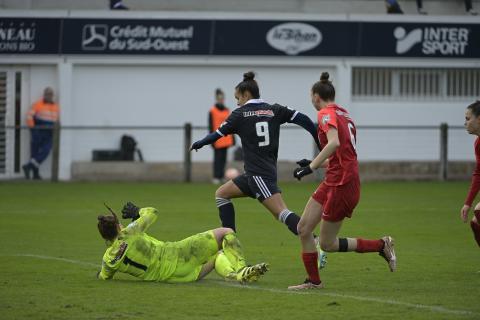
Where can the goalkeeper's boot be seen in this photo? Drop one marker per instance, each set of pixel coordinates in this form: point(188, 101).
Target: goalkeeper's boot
point(252, 273)
point(388, 253)
point(306, 285)
point(322, 255)
point(263, 267)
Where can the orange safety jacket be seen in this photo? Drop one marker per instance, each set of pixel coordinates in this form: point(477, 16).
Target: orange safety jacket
point(42, 111)
point(218, 117)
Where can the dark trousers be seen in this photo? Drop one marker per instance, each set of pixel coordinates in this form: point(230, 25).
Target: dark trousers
point(468, 5)
point(219, 161)
point(41, 144)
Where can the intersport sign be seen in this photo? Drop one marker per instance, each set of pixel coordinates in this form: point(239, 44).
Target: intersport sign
point(446, 41)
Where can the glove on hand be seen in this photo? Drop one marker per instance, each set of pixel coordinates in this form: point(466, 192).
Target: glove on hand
point(130, 211)
point(299, 173)
point(196, 145)
point(304, 162)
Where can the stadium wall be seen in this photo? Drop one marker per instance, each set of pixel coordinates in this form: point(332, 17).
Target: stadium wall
point(155, 90)
point(443, 7)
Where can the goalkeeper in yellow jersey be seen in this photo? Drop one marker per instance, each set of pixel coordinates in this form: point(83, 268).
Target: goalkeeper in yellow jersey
point(131, 250)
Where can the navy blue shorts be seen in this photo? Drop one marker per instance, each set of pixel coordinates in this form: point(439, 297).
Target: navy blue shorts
point(257, 187)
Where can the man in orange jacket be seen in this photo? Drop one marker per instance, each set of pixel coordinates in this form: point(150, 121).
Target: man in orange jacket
point(40, 118)
point(217, 115)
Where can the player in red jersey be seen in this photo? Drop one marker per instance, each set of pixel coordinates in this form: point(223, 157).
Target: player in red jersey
point(339, 193)
point(472, 124)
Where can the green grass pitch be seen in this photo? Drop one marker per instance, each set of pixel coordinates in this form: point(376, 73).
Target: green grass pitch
point(50, 250)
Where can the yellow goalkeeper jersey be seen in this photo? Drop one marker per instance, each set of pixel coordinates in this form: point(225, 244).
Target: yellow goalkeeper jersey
point(138, 254)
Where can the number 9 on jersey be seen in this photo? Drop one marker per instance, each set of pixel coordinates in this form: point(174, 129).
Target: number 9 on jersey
point(262, 132)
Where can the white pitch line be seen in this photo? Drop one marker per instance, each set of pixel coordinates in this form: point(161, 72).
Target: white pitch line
point(284, 291)
point(345, 296)
point(82, 263)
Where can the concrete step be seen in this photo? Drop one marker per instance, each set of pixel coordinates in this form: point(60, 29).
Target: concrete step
point(202, 171)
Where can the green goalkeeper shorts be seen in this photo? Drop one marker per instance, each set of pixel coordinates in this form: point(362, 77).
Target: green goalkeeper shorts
point(193, 253)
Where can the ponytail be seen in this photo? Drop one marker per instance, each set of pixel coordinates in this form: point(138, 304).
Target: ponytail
point(324, 88)
point(249, 84)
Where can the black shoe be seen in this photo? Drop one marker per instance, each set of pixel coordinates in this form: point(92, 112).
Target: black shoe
point(36, 174)
point(26, 170)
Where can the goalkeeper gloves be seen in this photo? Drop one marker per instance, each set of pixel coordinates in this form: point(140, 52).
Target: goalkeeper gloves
point(303, 170)
point(130, 211)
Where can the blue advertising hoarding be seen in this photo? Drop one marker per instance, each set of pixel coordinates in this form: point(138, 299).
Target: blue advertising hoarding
point(29, 36)
point(66, 36)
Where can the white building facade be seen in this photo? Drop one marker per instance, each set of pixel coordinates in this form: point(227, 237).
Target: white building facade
point(134, 70)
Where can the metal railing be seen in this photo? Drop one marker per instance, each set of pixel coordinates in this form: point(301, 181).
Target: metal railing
point(436, 134)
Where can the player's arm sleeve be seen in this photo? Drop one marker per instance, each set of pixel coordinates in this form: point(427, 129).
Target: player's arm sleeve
point(285, 114)
point(306, 123)
point(327, 120)
point(209, 139)
point(147, 217)
point(474, 186)
point(228, 127)
point(289, 115)
point(106, 273)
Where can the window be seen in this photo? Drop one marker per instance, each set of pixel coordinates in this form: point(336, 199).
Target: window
point(378, 83)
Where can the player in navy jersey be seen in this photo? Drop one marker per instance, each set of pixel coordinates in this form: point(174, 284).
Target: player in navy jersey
point(258, 125)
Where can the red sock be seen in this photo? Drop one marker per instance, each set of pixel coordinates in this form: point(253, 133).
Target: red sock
point(311, 266)
point(369, 245)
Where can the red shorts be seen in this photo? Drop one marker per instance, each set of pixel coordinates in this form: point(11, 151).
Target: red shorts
point(338, 202)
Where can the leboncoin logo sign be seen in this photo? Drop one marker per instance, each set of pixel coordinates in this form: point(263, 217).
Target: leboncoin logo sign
point(293, 38)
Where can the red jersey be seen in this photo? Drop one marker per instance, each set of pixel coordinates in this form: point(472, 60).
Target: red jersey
point(343, 164)
point(475, 186)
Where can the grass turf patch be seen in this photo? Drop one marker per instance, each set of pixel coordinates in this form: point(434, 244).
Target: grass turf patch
point(51, 246)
